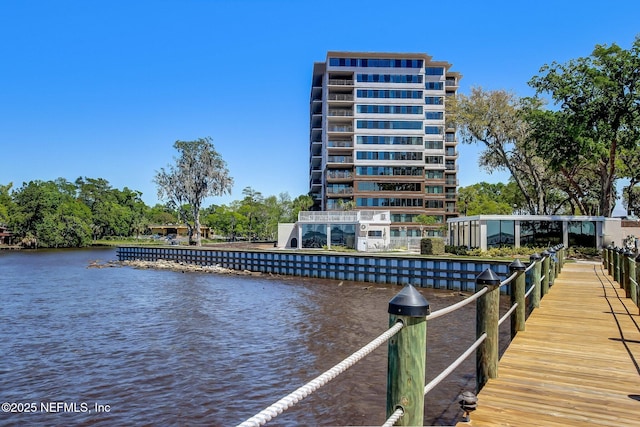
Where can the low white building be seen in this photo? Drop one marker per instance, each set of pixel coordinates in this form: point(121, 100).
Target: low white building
point(364, 231)
point(486, 231)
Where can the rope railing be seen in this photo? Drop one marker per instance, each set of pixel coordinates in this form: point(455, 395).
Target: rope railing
point(507, 314)
point(409, 312)
point(452, 367)
point(393, 419)
point(456, 306)
point(291, 399)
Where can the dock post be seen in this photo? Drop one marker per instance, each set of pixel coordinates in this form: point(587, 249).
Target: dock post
point(544, 289)
point(633, 278)
point(535, 280)
point(407, 356)
point(552, 266)
point(487, 316)
point(610, 265)
point(517, 297)
point(628, 260)
point(616, 265)
point(605, 257)
point(635, 294)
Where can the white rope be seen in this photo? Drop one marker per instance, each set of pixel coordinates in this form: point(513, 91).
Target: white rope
point(393, 419)
point(509, 279)
point(530, 267)
point(507, 314)
point(454, 307)
point(531, 288)
point(434, 382)
point(291, 399)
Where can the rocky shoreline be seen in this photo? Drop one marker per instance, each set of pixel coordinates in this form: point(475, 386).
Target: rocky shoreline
point(178, 266)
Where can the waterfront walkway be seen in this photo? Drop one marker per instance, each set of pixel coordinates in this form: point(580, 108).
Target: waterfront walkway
point(576, 364)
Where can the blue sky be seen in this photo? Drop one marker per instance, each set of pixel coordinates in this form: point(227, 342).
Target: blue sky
point(103, 89)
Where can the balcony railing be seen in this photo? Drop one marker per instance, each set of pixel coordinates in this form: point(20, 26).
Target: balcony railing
point(340, 128)
point(339, 174)
point(339, 159)
point(341, 191)
point(340, 144)
point(341, 113)
point(340, 97)
point(341, 82)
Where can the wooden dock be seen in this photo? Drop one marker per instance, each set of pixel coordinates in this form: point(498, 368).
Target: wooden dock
point(576, 364)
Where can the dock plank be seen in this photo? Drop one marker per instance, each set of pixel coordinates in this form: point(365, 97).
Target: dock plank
point(576, 364)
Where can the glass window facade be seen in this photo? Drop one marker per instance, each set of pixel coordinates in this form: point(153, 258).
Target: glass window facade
point(389, 78)
point(314, 235)
point(343, 235)
point(433, 100)
point(377, 63)
point(434, 71)
point(582, 233)
point(389, 186)
point(434, 115)
point(388, 202)
point(402, 94)
point(389, 109)
point(388, 124)
point(500, 233)
point(389, 155)
point(433, 86)
point(433, 145)
point(540, 233)
point(389, 140)
point(389, 171)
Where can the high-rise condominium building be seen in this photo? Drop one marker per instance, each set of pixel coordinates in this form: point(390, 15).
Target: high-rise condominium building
point(379, 137)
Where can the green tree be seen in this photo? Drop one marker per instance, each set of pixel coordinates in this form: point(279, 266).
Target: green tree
point(498, 119)
point(598, 101)
point(5, 202)
point(198, 172)
point(484, 198)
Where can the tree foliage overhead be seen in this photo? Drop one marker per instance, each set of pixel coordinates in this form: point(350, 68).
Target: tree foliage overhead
point(598, 116)
point(199, 172)
point(497, 119)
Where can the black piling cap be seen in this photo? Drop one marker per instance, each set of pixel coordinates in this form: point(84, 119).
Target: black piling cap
point(545, 253)
point(409, 302)
point(488, 277)
point(535, 257)
point(517, 265)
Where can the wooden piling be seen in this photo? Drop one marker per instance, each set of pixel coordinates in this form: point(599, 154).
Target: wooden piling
point(407, 357)
point(487, 317)
point(517, 297)
point(535, 280)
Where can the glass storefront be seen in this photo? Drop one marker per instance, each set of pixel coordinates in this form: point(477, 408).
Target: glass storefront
point(540, 233)
point(582, 233)
point(343, 235)
point(500, 233)
point(314, 235)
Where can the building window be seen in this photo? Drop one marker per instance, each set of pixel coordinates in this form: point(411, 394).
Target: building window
point(582, 233)
point(376, 63)
point(389, 78)
point(388, 124)
point(388, 202)
point(434, 115)
point(389, 109)
point(389, 155)
point(314, 235)
point(500, 233)
point(540, 233)
point(389, 140)
point(388, 186)
point(433, 145)
point(433, 130)
point(434, 71)
point(389, 171)
point(343, 235)
point(433, 86)
point(375, 233)
point(403, 94)
point(433, 100)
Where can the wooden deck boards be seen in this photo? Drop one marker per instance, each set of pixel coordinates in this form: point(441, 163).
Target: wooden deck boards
point(576, 364)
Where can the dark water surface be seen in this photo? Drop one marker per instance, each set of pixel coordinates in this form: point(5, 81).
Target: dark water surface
point(176, 349)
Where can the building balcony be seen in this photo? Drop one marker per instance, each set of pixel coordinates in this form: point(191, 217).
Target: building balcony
point(340, 113)
point(340, 82)
point(340, 97)
point(340, 159)
point(340, 144)
point(340, 128)
point(339, 175)
point(339, 191)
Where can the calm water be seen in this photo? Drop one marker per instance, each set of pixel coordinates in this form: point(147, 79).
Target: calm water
point(168, 348)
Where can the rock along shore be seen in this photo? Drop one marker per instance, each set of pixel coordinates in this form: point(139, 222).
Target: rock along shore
point(183, 267)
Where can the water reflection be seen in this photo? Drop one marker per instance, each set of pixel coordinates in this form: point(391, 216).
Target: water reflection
point(167, 348)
